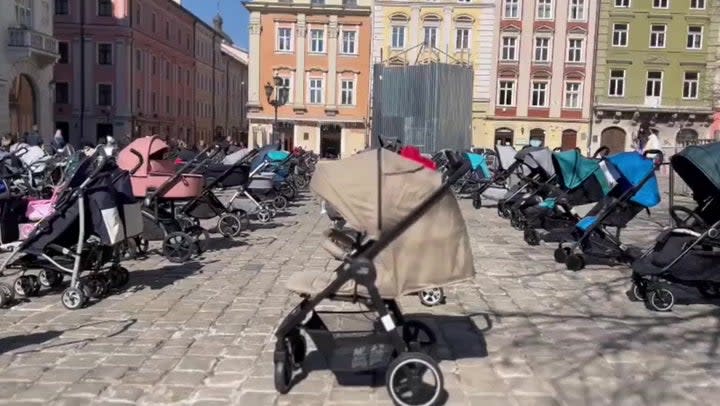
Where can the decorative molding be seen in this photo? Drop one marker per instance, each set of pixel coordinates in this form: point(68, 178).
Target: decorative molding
point(255, 28)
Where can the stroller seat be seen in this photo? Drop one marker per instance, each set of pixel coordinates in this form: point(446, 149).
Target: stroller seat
point(313, 282)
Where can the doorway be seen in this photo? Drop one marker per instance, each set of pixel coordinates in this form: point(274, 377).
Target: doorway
point(504, 136)
point(22, 105)
point(64, 128)
point(569, 140)
point(614, 139)
point(330, 141)
point(686, 136)
point(537, 137)
point(102, 131)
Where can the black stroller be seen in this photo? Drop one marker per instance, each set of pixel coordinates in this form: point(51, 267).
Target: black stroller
point(503, 175)
point(400, 250)
point(636, 189)
point(689, 253)
point(94, 213)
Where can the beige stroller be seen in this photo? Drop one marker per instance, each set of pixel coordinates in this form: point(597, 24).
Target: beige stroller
point(395, 205)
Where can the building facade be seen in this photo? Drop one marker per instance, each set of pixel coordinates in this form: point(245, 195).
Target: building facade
point(543, 54)
point(320, 51)
point(655, 71)
point(131, 68)
point(28, 54)
point(236, 72)
point(425, 31)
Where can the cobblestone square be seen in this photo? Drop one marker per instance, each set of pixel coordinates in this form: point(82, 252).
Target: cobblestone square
point(524, 332)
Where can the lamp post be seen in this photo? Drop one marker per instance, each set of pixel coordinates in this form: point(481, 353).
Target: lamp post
point(281, 97)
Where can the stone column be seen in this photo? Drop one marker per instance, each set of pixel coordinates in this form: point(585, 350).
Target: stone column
point(299, 85)
point(331, 89)
point(415, 34)
point(254, 69)
point(446, 28)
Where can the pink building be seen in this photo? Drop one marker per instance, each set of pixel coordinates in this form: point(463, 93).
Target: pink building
point(135, 73)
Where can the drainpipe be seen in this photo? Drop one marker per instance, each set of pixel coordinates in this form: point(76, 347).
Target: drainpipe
point(592, 77)
point(82, 72)
point(131, 96)
point(214, 87)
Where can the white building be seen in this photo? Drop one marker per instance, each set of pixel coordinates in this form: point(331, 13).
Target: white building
point(28, 52)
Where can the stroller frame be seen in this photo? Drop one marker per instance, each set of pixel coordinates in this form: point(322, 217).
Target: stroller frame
point(358, 267)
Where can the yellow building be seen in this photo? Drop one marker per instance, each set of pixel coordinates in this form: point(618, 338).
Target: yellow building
point(409, 32)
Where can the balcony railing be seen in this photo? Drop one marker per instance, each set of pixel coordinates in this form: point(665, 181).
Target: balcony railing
point(649, 102)
point(28, 38)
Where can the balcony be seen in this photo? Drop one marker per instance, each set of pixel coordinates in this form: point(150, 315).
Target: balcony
point(24, 43)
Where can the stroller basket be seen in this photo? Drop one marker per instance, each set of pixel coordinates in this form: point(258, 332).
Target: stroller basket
point(360, 346)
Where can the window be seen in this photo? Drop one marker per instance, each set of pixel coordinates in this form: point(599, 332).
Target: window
point(23, 12)
point(138, 98)
point(653, 86)
point(153, 102)
point(347, 92)
point(542, 49)
point(61, 7)
point(187, 77)
point(138, 60)
point(104, 95)
point(138, 14)
point(167, 30)
point(575, 50)
point(695, 37)
point(167, 105)
point(179, 76)
point(660, 3)
point(316, 91)
point(572, 95)
point(430, 38)
point(64, 51)
point(104, 8)
point(188, 107)
point(317, 41)
point(398, 37)
point(657, 35)
point(697, 4)
point(620, 35)
point(104, 54)
point(690, 85)
point(506, 93)
point(348, 42)
point(62, 93)
point(509, 49)
point(539, 94)
point(462, 38)
point(512, 9)
point(622, 3)
point(153, 22)
point(577, 10)
point(544, 10)
point(154, 65)
point(286, 83)
point(616, 86)
point(167, 70)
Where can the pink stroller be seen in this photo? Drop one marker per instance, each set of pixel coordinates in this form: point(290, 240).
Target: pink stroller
point(162, 184)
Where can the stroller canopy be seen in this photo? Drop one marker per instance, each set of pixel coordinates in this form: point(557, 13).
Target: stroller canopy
point(632, 169)
point(150, 148)
point(262, 156)
point(235, 157)
point(573, 169)
point(539, 159)
point(277, 156)
point(373, 191)
point(506, 155)
point(699, 167)
point(478, 162)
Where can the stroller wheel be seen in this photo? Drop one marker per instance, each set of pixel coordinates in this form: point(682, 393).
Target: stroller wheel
point(561, 254)
point(503, 211)
point(419, 337)
point(73, 298)
point(432, 297)
point(243, 216)
point(414, 378)
point(280, 202)
point(50, 278)
point(263, 215)
point(283, 366)
point(229, 225)
point(288, 191)
point(531, 236)
point(477, 201)
point(575, 262)
point(178, 247)
point(6, 294)
point(661, 300)
point(26, 285)
point(201, 239)
point(95, 286)
point(638, 292)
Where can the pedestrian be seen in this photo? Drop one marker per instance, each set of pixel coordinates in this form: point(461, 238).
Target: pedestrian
point(34, 139)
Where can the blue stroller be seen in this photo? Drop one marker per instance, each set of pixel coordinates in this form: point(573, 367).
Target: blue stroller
point(635, 190)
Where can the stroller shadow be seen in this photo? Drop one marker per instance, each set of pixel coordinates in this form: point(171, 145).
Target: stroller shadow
point(458, 337)
point(221, 243)
point(263, 226)
point(162, 277)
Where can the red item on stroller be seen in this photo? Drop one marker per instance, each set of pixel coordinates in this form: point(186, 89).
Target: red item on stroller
point(414, 154)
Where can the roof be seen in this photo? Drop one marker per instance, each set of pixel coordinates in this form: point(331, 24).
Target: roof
point(234, 52)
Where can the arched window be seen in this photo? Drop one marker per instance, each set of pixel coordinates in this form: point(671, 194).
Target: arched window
point(398, 22)
point(504, 136)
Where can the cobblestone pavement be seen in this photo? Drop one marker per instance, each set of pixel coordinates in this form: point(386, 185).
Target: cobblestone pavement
point(524, 332)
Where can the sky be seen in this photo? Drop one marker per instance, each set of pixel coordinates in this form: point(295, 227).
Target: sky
point(235, 17)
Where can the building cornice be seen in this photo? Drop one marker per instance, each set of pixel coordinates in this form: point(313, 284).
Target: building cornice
point(309, 9)
point(424, 4)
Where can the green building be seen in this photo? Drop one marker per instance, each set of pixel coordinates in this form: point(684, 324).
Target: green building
point(655, 71)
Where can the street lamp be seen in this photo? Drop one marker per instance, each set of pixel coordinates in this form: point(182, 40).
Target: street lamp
point(281, 98)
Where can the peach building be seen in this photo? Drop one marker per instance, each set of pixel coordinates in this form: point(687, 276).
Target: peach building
point(134, 67)
point(320, 49)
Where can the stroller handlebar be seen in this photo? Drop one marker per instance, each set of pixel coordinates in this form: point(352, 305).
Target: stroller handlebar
point(140, 161)
point(658, 156)
point(601, 152)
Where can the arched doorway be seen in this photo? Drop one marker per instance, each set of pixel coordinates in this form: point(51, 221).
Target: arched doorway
point(614, 139)
point(537, 137)
point(330, 140)
point(686, 136)
point(504, 136)
point(569, 140)
point(22, 103)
